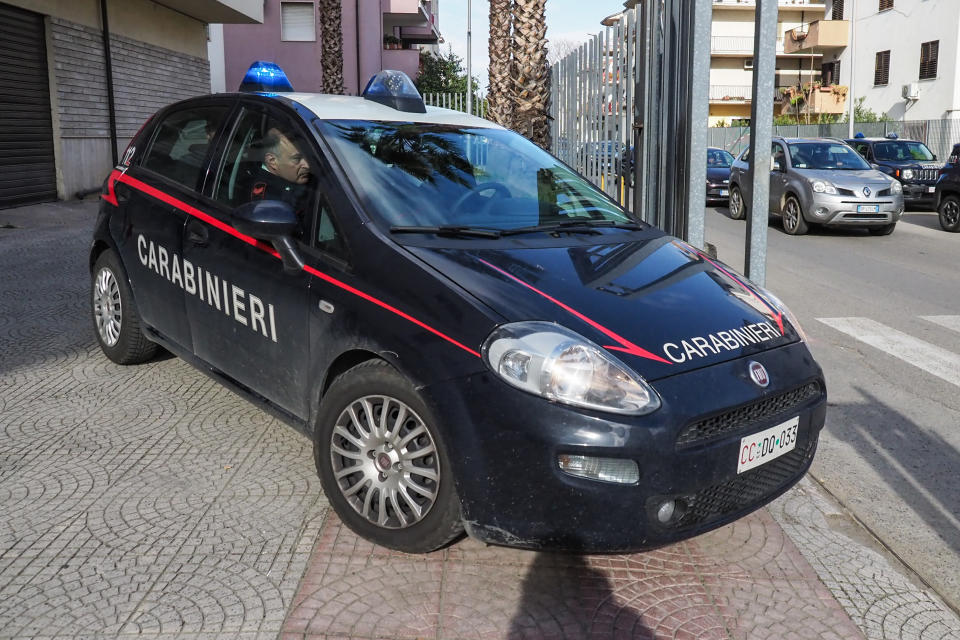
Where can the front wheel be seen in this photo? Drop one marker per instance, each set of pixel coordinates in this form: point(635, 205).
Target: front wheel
point(949, 212)
point(115, 318)
point(793, 222)
point(383, 463)
point(738, 208)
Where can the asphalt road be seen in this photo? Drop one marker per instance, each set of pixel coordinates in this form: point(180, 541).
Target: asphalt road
point(882, 315)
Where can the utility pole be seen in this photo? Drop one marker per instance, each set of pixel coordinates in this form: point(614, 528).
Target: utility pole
point(469, 69)
point(853, 49)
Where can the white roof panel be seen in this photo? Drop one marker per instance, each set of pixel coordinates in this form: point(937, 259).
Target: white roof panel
point(331, 107)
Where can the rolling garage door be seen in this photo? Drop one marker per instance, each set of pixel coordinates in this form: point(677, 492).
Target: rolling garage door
point(27, 167)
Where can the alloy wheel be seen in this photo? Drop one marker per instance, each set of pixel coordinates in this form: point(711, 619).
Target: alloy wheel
point(385, 461)
point(950, 213)
point(107, 307)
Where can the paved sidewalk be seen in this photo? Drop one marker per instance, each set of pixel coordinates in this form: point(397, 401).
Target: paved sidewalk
point(150, 501)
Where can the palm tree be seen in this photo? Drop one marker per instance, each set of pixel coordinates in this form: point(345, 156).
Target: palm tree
point(500, 92)
point(331, 54)
point(531, 74)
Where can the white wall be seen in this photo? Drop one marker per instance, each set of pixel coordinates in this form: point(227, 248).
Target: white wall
point(218, 82)
point(902, 30)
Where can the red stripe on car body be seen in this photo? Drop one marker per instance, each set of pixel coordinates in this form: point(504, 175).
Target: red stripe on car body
point(626, 345)
point(263, 246)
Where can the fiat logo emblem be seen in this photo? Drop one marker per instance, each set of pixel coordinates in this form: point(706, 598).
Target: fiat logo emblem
point(759, 374)
point(866, 191)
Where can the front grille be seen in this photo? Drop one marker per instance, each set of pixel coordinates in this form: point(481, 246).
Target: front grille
point(883, 192)
point(736, 419)
point(926, 175)
point(845, 192)
point(865, 216)
point(740, 493)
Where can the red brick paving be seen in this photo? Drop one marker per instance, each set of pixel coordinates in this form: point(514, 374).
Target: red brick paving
point(744, 581)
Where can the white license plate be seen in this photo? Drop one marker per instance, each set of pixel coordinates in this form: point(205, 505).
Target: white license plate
point(769, 444)
point(868, 208)
point(931, 189)
point(723, 192)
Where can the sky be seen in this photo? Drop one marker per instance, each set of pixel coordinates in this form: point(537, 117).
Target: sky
point(571, 20)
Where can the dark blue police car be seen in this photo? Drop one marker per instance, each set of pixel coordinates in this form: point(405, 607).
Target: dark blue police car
point(475, 337)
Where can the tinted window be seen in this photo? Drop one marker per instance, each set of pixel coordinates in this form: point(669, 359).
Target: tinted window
point(825, 155)
point(180, 144)
point(901, 151)
point(432, 174)
point(719, 158)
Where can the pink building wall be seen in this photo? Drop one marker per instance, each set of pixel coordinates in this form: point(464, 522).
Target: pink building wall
point(362, 40)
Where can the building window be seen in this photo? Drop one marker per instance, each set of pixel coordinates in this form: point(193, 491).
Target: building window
point(837, 10)
point(830, 73)
point(297, 22)
point(885, 4)
point(929, 52)
point(881, 71)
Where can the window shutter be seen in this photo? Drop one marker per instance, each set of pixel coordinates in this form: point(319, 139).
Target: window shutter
point(885, 4)
point(297, 21)
point(881, 72)
point(929, 53)
point(837, 10)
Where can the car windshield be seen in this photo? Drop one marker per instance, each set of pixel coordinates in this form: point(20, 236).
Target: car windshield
point(901, 151)
point(718, 159)
point(825, 155)
point(435, 175)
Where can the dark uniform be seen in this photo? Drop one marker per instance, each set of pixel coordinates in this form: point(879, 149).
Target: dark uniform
point(267, 186)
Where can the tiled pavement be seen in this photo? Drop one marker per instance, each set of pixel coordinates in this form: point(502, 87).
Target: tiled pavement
point(150, 501)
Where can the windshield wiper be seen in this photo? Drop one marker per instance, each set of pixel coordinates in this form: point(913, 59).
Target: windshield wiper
point(572, 226)
point(452, 230)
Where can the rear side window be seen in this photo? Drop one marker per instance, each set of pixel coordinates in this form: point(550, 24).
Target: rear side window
point(181, 142)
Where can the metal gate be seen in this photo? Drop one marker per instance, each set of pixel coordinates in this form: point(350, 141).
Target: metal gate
point(27, 165)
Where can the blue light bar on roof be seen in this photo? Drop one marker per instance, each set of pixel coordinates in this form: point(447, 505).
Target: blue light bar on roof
point(265, 76)
point(395, 89)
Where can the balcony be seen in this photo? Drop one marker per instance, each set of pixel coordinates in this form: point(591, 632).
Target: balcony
point(828, 99)
point(731, 94)
point(736, 46)
point(818, 36)
point(412, 20)
point(804, 5)
point(406, 60)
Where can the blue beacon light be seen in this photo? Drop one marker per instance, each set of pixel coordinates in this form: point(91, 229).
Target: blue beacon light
point(265, 76)
point(396, 90)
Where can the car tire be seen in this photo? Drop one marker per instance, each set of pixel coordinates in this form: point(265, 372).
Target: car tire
point(885, 230)
point(737, 207)
point(116, 321)
point(793, 221)
point(377, 475)
point(949, 213)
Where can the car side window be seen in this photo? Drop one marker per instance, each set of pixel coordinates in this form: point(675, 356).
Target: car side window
point(776, 152)
point(181, 142)
point(863, 150)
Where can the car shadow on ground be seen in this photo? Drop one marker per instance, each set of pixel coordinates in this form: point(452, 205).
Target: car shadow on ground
point(928, 219)
point(916, 463)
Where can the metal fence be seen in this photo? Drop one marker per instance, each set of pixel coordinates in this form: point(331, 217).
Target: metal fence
point(938, 135)
point(457, 102)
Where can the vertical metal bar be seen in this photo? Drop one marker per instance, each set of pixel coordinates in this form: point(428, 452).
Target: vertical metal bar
point(699, 113)
point(648, 114)
point(761, 130)
point(629, 79)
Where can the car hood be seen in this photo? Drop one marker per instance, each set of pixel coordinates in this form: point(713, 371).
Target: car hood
point(718, 174)
point(852, 180)
point(656, 303)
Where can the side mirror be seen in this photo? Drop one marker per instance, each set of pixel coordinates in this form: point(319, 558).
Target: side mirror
point(275, 222)
point(775, 165)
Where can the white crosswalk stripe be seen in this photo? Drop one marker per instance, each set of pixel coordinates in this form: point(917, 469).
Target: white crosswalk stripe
point(929, 357)
point(950, 322)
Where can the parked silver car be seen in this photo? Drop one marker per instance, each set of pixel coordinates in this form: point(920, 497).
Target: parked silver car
point(821, 181)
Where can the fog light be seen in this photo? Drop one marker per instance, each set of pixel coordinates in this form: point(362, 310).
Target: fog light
point(671, 511)
point(603, 469)
point(820, 212)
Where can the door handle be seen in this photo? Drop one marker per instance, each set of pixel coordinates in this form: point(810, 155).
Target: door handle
point(198, 234)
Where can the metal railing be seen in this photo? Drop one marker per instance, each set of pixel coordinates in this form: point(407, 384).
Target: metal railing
point(457, 102)
point(783, 4)
point(731, 92)
point(741, 45)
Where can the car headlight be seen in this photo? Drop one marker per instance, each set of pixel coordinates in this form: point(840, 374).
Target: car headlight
point(785, 310)
point(556, 363)
point(896, 187)
point(821, 186)
point(907, 174)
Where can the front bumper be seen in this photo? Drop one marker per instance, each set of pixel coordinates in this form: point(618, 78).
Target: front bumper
point(919, 193)
point(843, 210)
point(718, 192)
point(512, 491)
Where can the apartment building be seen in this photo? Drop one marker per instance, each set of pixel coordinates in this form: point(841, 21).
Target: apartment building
point(377, 34)
point(806, 65)
point(904, 56)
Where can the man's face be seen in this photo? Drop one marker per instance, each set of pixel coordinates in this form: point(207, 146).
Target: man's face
point(288, 162)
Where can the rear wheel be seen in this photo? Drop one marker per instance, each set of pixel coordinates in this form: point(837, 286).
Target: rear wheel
point(793, 222)
point(115, 318)
point(885, 230)
point(738, 208)
point(949, 212)
point(383, 463)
